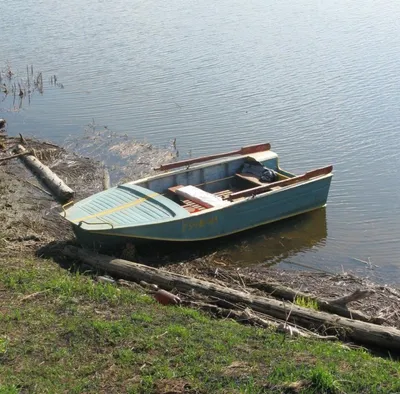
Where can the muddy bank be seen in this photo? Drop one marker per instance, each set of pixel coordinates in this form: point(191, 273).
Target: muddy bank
point(29, 214)
point(28, 211)
point(31, 223)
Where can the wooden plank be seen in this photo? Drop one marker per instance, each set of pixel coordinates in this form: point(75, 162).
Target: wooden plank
point(223, 193)
point(191, 206)
point(285, 182)
point(250, 178)
point(191, 209)
point(207, 200)
point(203, 201)
point(246, 150)
point(255, 180)
point(173, 189)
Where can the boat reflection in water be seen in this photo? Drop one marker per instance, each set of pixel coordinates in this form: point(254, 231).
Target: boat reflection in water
point(271, 243)
point(279, 241)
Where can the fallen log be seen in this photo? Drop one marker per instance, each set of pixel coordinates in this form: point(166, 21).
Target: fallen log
point(368, 334)
point(357, 295)
point(336, 306)
point(240, 316)
point(58, 188)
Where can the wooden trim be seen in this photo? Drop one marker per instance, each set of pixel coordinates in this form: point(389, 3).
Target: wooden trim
point(246, 150)
point(173, 189)
point(286, 182)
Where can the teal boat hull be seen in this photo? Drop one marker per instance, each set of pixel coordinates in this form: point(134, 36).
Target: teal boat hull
point(247, 214)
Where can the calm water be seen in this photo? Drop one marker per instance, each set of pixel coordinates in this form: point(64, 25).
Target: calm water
point(319, 80)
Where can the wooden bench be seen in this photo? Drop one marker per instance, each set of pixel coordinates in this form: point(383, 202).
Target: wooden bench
point(200, 196)
point(193, 204)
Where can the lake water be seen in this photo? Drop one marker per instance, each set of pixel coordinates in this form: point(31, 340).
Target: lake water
point(319, 80)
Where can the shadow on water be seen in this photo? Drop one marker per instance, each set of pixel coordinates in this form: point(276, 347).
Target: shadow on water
point(271, 243)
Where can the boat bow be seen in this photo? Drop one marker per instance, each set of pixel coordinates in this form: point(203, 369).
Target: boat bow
point(123, 206)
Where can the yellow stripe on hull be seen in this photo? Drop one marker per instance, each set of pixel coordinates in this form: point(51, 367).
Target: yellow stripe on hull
point(116, 209)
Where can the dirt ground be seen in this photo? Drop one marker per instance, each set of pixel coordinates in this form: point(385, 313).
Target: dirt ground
point(31, 224)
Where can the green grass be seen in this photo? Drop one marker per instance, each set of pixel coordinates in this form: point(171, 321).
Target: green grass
point(323, 380)
point(306, 303)
point(79, 336)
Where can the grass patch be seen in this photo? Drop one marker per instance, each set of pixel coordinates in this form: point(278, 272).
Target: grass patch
point(7, 389)
point(306, 302)
point(323, 381)
point(75, 335)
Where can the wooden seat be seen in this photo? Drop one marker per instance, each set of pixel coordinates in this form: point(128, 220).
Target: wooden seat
point(250, 178)
point(196, 203)
point(200, 196)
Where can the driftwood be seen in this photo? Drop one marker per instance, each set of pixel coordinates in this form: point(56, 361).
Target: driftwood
point(106, 179)
point(28, 152)
point(284, 327)
point(337, 306)
point(59, 189)
point(367, 334)
point(357, 295)
point(249, 317)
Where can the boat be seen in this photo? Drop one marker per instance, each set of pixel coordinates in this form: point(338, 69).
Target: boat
point(198, 199)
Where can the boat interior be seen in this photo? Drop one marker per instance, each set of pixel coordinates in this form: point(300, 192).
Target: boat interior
point(217, 184)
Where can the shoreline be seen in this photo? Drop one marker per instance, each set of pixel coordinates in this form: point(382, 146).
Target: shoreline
point(34, 227)
point(68, 327)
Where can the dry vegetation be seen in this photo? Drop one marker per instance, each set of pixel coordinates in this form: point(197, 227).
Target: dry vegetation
point(17, 89)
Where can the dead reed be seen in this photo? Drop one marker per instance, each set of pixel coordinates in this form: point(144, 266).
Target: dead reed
point(18, 87)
